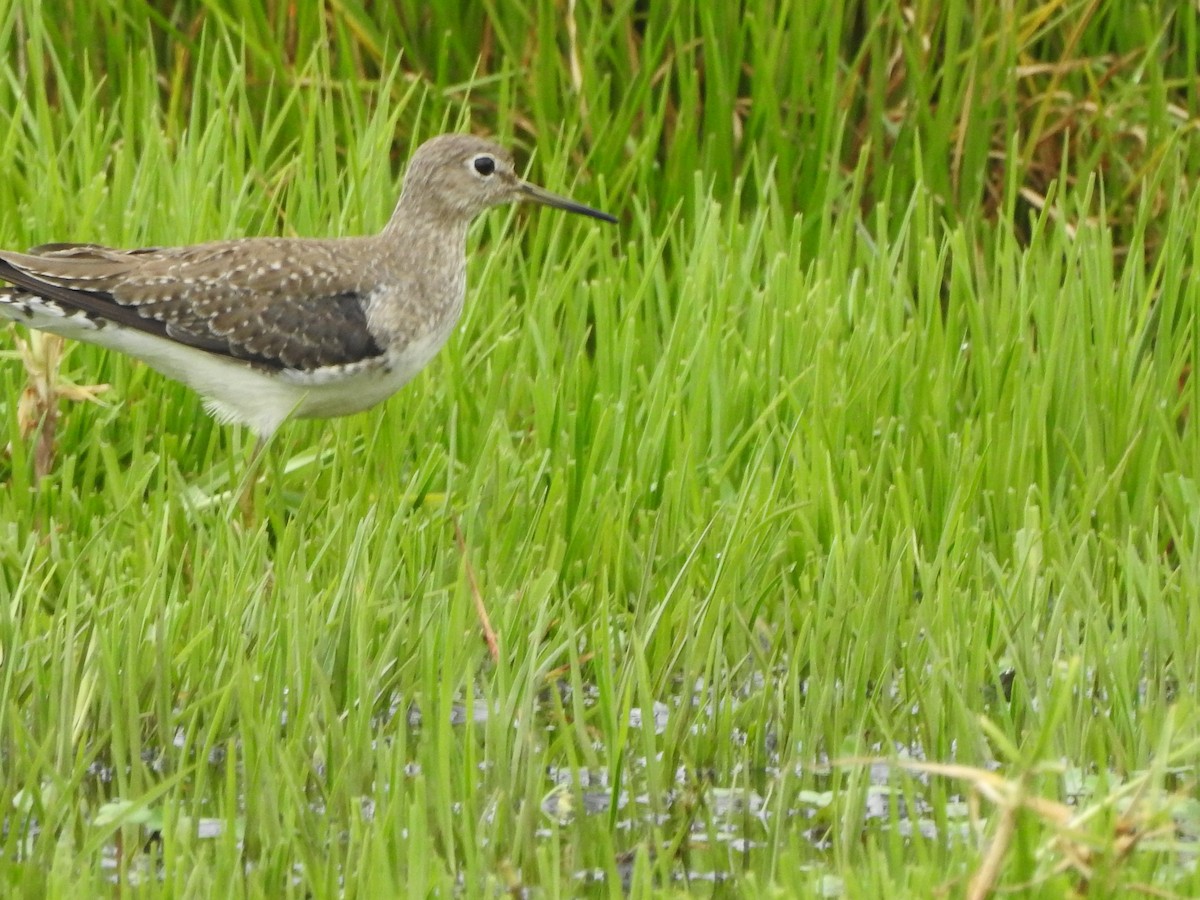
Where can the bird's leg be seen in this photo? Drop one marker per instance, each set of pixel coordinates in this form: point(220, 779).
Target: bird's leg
point(249, 478)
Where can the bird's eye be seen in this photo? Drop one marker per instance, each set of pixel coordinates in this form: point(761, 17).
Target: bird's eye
point(484, 165)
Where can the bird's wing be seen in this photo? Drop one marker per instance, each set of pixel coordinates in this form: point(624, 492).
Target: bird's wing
point(280, 304)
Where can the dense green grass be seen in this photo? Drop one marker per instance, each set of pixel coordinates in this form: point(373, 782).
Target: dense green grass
point(867, 436)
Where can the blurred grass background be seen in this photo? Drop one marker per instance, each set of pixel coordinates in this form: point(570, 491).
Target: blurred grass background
point(982, 105)
point(869, 433)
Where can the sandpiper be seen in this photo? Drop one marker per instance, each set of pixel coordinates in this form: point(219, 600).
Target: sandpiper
point(270, 328)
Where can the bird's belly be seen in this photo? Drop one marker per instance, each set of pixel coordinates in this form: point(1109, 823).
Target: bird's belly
point(341, 390)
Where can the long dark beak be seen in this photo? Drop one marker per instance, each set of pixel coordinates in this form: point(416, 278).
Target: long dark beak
point(546, 198)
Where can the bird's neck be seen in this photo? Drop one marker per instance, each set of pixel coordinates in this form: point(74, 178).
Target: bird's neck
point(424, 211)
point(422, 228)
point(425, 255)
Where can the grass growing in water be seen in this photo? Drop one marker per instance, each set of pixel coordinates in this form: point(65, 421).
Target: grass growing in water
point(810, 462)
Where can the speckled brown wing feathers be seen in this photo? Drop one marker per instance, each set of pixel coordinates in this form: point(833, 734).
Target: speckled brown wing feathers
point(273, 302)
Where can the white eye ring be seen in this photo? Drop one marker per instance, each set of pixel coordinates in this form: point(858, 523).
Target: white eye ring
point(484, 164)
